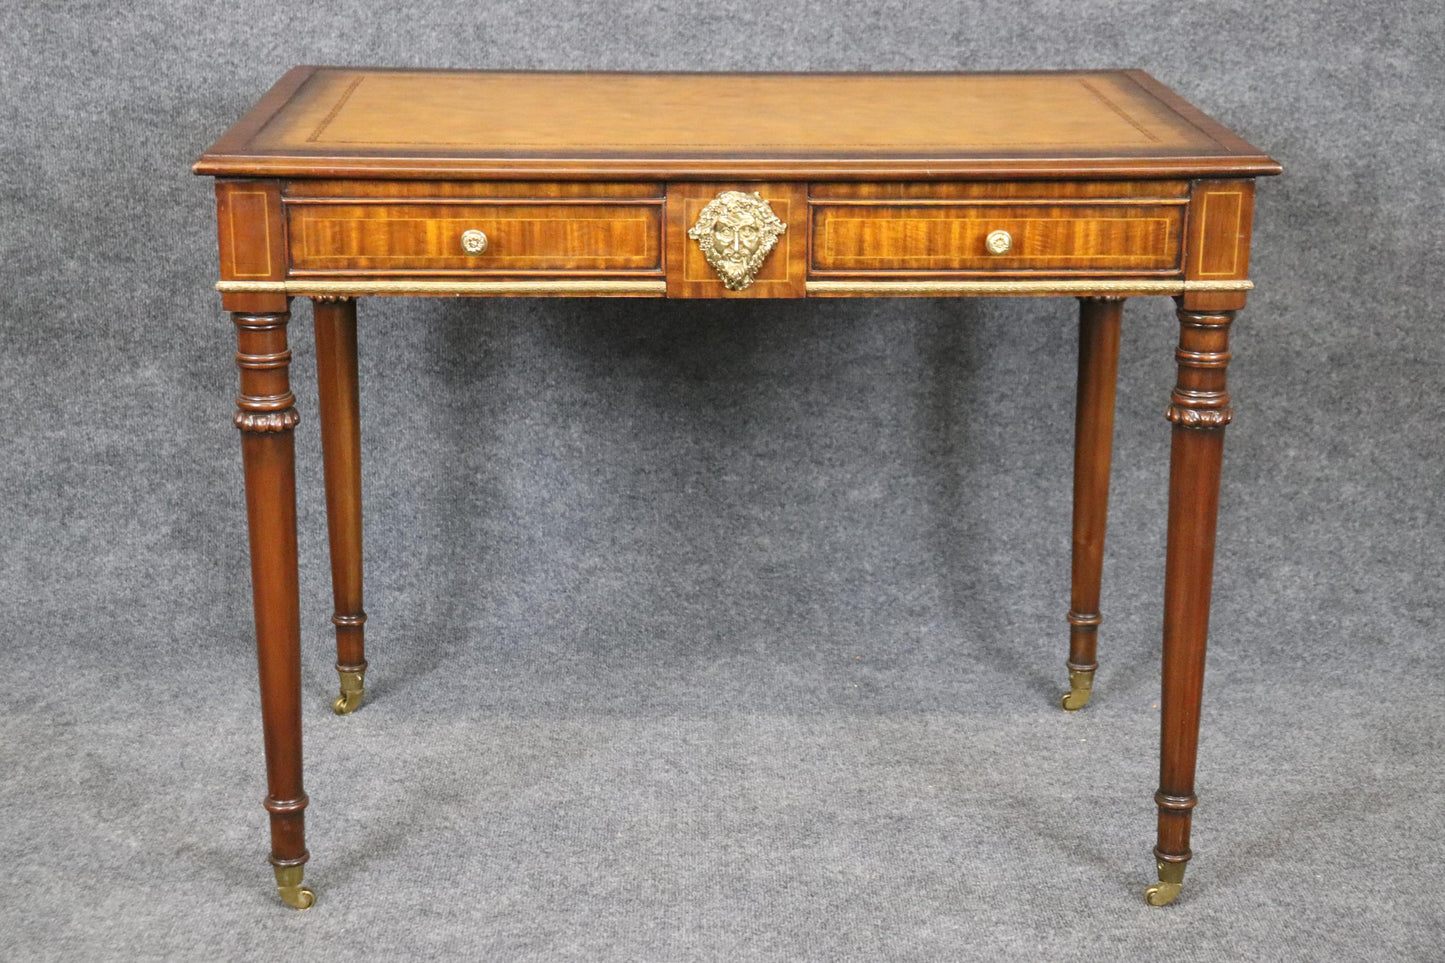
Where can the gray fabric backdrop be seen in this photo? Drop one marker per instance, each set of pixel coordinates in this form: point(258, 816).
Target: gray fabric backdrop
point(708, 632)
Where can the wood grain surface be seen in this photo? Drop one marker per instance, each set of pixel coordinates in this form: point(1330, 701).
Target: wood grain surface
point(414, 238)
point(893, 237)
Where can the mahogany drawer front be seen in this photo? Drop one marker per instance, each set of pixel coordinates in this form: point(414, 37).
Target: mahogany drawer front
point(1105, 238)
point(410, 238)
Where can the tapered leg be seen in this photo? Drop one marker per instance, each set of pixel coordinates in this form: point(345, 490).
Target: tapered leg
point(266, 416)
point(1099, 322)
point(336, 379)
point(1199, 409)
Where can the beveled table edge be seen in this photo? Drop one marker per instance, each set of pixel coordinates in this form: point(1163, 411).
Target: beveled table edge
point(858, 168)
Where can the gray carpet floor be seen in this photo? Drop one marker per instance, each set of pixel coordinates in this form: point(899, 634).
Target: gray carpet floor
point(719, 632)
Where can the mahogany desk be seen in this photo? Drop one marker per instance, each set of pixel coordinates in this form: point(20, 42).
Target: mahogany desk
point(343, 182)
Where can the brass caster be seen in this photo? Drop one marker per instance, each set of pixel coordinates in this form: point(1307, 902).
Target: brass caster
point(1171, 881)
point(289, 888)
point(352, 687)
point(1081, 686)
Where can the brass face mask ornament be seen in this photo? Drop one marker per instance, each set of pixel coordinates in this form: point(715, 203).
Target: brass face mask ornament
point(737, 231)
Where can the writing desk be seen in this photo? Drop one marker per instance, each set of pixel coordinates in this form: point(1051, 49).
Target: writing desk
point(1100, 185)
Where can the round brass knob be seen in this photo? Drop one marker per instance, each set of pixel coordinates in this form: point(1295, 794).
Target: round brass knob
point(474, 241)
point(998, 242)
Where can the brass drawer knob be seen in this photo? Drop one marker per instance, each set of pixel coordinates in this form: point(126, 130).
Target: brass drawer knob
point(474, 241)
point(998, 242)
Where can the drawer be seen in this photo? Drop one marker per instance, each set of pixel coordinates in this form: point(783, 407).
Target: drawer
point(941, 237)
point(356, 236)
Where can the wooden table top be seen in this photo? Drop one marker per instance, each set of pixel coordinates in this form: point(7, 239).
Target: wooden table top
point(348, 122)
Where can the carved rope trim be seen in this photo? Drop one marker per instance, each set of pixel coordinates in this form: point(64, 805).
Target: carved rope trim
point(1186, 417)
point(1200, 409)
point(267, 421)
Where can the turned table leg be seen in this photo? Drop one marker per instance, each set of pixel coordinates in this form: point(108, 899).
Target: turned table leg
point(336, 378)
point(1199, 409)
point(266, 416)
point(1099, 322)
